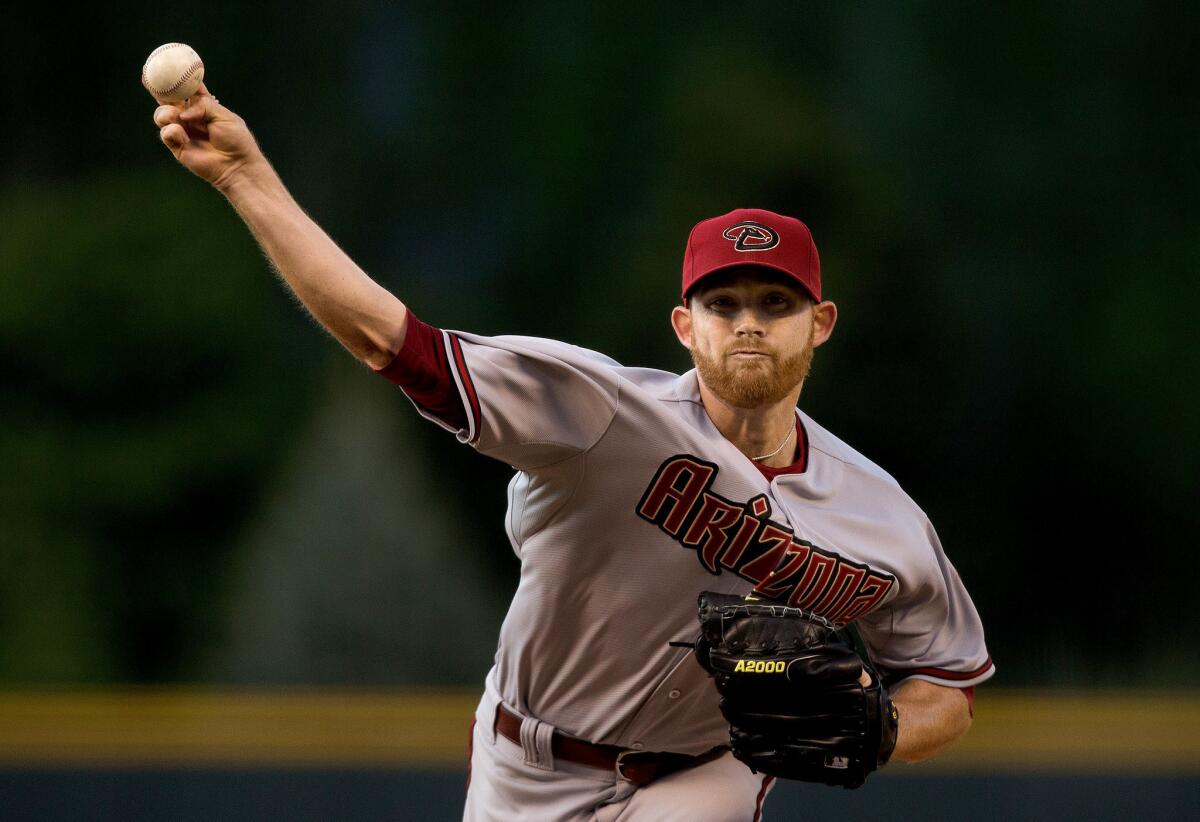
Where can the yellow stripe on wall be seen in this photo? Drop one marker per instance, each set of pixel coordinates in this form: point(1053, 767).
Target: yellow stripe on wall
point(1097, 732)
point(219, 729)
point(1014, 731)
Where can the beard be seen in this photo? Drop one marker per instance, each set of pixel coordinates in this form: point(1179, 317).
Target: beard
point(758, 382)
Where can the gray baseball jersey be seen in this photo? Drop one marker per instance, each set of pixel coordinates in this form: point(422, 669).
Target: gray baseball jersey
point(627, 502)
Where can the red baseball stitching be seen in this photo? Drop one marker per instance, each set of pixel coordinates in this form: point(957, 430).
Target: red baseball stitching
point(151, 57)
point(192, 69)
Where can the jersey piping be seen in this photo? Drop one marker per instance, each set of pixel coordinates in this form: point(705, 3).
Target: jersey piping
point(431, 371)
point(943, 676)
point(466, 388)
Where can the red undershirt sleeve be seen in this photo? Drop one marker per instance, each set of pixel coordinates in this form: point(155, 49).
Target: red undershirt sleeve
point(422, 371)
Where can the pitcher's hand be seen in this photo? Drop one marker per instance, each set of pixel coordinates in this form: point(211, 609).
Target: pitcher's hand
point(206, 138)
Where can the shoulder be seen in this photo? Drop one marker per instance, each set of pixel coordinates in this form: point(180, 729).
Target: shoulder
point(863, 481)
point(538, 346)
point(824, 442)
point(651, 380)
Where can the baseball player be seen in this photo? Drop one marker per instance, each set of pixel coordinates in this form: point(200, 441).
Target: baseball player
point(634, 491)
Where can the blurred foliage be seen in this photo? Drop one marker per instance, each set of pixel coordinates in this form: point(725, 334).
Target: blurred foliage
point(140, 431)
point(1004, 201)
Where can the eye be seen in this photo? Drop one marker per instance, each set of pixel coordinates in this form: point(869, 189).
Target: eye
point(721, 302)
point(777, 301)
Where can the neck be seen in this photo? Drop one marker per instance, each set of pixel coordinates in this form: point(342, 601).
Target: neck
point(756, 431)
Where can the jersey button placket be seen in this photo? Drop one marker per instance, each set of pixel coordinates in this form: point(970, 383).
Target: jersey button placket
point(673, 693)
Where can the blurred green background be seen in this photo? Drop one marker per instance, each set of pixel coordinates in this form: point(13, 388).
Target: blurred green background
point(197, 485)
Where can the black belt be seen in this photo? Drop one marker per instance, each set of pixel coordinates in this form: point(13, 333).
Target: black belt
point(639, 767)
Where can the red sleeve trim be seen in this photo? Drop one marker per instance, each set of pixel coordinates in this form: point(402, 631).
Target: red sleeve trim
point(762, 794)
point(468, 387)
point(470, 751)
point(938, 673)
point(422, 371)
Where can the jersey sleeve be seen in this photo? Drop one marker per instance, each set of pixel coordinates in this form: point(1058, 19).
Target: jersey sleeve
point(931, 631)
point(527, 401)
point(422, 371)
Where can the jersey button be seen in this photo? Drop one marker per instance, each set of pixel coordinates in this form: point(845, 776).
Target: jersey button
point(637, 746)
point(674, 693)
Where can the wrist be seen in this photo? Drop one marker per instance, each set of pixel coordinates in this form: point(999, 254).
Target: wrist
point(248, 178)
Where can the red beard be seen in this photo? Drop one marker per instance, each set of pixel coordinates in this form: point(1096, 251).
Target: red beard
point(754, 382)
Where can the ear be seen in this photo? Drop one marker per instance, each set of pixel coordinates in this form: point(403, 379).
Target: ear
point(681, 321)
point(824, 319)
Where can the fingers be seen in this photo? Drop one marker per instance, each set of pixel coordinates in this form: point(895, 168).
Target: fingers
point(203, 91)
point(864, 679)
point(173, 136)
point(202, 108)
point(197, 112)
point(165, 115)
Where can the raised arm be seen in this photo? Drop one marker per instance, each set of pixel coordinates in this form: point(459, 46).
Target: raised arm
point(215, 144)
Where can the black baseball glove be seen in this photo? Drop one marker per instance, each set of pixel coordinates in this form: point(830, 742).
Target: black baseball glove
point(789, 683)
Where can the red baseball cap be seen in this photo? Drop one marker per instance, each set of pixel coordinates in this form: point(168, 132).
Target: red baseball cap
point(752, 236)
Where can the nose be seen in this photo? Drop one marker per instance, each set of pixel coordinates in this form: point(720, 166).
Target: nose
point(748, 325)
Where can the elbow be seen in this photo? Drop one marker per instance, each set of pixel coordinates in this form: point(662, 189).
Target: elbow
point(939, 742)
point(380, 344)
point(932, 718)
point(377, 357)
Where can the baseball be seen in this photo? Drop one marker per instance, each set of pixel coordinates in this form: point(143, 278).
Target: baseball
point(173, 72)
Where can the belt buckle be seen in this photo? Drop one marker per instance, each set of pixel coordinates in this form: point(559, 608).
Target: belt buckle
point(648, 769)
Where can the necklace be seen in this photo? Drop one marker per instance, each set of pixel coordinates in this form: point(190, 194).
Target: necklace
point(777, 450)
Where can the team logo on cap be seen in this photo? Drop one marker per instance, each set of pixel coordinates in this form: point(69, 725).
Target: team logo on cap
point(751, 236)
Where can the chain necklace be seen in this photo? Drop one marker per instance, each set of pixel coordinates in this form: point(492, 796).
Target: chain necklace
point(777, 450)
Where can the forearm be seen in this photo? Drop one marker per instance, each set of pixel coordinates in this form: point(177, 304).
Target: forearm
point(362, 315)
point(931, 718)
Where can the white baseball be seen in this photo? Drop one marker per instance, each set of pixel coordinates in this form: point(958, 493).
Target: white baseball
point(173, 72)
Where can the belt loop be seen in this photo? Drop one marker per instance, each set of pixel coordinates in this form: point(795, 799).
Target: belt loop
point(536, 742)
point(485, 717)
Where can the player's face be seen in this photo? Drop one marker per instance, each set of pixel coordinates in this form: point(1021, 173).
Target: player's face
point(752, 336)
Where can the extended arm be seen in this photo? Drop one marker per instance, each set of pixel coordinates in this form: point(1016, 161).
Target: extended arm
point(931, 717)
point(215, 144)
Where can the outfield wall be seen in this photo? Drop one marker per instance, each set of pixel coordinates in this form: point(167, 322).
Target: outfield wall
point(203, 754)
